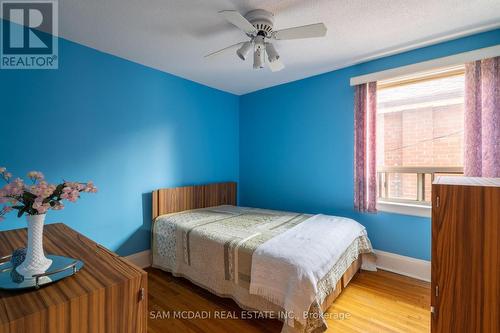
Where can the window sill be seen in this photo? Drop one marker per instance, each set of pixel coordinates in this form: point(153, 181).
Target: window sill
point(404, 208)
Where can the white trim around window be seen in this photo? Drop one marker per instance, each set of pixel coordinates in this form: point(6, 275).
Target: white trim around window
point(456, 59)
point(404, 208)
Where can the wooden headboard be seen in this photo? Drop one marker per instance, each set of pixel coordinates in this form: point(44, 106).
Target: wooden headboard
point(177, 199)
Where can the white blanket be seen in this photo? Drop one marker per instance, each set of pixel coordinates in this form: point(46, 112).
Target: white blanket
point(287, 268)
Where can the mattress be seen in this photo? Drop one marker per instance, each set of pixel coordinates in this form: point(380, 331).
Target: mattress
point(213, 248)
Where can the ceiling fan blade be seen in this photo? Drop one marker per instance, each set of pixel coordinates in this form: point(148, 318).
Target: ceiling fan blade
point(276, 65)
point(239, 21)
point(223, 50)
point(305, 31)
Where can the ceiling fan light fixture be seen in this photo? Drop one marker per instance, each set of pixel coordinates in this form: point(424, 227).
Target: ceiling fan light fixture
point(244, 50)
point(259, 58)
point(272, 54)
point(259, 55)
point(258, 25)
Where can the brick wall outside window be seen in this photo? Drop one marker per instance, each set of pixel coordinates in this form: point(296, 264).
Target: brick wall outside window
point(412, 133)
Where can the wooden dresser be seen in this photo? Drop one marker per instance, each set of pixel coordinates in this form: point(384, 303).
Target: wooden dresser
point(109, 294)
point(465, 255)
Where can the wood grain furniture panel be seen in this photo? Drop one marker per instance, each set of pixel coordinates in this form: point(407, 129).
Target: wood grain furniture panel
point(465, 254)
point(107, 295)
point(178, 199)
point(351, 271)
point(349, 274)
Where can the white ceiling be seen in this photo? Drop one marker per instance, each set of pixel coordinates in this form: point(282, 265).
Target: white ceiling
point(173, 36)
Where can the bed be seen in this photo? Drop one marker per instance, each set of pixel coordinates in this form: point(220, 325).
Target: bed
point(260, 258)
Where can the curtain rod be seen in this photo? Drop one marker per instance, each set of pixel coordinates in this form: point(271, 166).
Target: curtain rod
point(456, 59)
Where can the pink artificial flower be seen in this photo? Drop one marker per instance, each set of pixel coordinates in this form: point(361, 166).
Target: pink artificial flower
point(58, 206)
point(66, 192)
point(90, 188)
point(43, 209)
point(42, 189)
point(13, 192)
point(74, 196)
point(70, 192)
point(40, 207)
point(36, 175)
point(4, 174)
point(3, 198)
point(34, 189)
point(38, 202)
point(14, 188)
point(75, 186)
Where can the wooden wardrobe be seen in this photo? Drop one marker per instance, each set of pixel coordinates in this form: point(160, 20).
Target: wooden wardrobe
point(465, 255)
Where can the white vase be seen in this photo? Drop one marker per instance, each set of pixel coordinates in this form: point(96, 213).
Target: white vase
point(35, 261)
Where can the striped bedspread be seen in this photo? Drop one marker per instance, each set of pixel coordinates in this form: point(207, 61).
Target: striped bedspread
point(213, 247)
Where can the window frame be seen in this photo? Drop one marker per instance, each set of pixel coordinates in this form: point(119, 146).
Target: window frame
point(418, 207)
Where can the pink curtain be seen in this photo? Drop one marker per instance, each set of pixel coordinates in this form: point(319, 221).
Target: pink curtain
point(482, 118)
point(365, 112)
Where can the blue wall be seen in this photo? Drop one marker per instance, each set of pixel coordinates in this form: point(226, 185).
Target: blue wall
point(129, 128)
point(296, 148)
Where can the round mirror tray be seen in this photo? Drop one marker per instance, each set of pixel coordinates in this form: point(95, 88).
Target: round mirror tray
point(60, 268)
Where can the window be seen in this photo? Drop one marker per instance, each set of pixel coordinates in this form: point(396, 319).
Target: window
point(419, 135)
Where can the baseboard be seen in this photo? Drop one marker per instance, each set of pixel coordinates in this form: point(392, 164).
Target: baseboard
point(412, 267)
point(141, 259)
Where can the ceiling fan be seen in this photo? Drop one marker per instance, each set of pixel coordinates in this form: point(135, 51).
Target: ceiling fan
point(258, 26)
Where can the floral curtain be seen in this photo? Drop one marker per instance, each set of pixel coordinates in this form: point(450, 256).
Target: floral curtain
point(482, 118)
point(365, 111)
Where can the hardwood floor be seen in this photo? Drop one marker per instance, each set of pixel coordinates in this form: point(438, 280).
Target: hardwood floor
point(373, 302)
